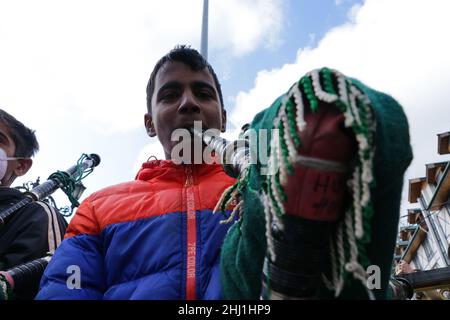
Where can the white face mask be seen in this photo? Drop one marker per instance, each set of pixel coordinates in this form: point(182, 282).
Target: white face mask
point(4, 162)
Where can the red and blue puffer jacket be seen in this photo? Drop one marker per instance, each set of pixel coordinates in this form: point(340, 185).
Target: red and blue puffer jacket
point(152, 238)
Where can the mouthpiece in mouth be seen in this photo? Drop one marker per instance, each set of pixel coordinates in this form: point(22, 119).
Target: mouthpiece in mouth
point(200, 134)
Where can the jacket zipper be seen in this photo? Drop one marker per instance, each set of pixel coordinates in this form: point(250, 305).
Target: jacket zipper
point(191, 236)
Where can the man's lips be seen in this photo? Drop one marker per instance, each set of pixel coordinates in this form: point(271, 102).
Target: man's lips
point(190, 125)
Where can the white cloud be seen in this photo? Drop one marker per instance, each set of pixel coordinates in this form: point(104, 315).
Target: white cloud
point(246, 25)
point(398, 47)
point(95, 57)
point(76, 72)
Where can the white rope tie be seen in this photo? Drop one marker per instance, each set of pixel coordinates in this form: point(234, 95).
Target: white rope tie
point(233, 213)
point(300, 108)
point(359, 232)
point(222, 197)
point(351, 236)
point(270, 246)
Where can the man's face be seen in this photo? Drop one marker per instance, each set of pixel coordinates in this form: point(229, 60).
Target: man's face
point(6, 141)
point(8, 145)
point(16, 167)
point(181, 97)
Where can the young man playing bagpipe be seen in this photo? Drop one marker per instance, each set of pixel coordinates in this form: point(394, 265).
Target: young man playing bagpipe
point(32, 231)
point(157, 237)
point(154, 237)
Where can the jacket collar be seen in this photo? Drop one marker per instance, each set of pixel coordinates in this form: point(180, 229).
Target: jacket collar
point(169, 170)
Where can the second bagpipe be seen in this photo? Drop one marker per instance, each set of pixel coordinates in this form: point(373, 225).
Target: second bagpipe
point(70, 182)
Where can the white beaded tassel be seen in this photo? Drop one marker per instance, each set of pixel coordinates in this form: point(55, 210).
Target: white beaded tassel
point(342, 87)
point(275, 160)
point(275, 191)
point(268, 215)
point(289, 141)
point(357, 204)
point(280, 160)
point(320, 93)
point(341, 254)
point(300, 108)
point(353, 266)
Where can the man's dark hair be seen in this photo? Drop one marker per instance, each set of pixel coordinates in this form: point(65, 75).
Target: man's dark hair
point(188, 56)
point(23, 137)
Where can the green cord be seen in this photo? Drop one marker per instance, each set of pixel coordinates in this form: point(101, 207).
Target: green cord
point(69, 183)
point(328, 81)
point(278, 211)
point(309, 91)
point(280, 188)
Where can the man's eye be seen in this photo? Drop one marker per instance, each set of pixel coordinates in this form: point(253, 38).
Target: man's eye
point(169, 96)
point(205, 95)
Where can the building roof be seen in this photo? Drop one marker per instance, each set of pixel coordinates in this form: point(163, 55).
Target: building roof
point(444, 143)
point(414, 244)
point(415, 188)
point(434, 171)
point(413, 215)
point(442, 194)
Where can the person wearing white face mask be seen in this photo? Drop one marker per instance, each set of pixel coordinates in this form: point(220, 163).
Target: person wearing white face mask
point(34, 230)
point(4, 164)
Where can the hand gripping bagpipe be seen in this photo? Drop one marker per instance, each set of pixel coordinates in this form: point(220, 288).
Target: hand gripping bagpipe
point(70, 182)
point(404, 285)
point(21, 275)
point(304, 229)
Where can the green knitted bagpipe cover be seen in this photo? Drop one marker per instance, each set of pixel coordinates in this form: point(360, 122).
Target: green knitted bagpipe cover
point(389, 153)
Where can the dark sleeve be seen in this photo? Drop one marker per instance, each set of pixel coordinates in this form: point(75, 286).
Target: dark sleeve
point(31, 236)
point(30, 242)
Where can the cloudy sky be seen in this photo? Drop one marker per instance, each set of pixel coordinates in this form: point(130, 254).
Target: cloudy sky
point(76, 71)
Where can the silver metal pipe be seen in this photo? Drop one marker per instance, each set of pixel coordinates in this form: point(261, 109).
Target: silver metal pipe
point(233, 155)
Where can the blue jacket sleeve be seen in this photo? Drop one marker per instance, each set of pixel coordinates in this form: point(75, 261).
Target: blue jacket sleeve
point(76, 270)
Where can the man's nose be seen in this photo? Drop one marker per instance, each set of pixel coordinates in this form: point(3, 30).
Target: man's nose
point(189, 104)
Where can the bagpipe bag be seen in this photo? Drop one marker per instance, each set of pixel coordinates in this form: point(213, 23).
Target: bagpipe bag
point(354, 219)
